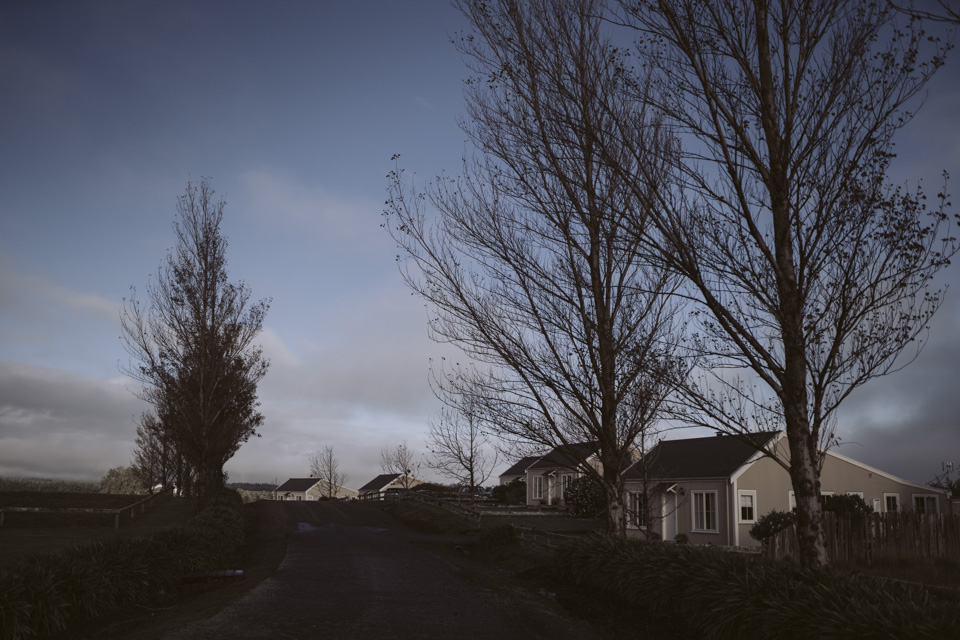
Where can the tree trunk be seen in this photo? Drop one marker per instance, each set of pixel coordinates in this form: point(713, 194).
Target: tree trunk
point(793, 379)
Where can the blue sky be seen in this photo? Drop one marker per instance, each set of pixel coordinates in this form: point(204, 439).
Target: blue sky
point(294, 110)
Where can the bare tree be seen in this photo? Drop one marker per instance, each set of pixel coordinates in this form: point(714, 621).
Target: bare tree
point(459, 449)
point(948, 10)
point(192, 347)
point(531, 267)
point(811, 272)
point(401, 460)
point(154, 454)
point(325, 466)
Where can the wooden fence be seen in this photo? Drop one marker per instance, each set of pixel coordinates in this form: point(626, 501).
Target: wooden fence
point(904, 535)
point(138, 508)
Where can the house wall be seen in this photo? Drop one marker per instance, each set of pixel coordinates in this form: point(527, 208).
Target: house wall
point(319, 490)
point(552, 487)
point(773, 489)
point(685, 512)
point(294, 495)
point(682, 515)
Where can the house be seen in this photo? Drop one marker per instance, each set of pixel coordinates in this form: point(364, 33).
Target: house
point(518, 470)
point(549, 476)
point(386, 481)
point(295, 489)
point(309, 489)
point(713, 489)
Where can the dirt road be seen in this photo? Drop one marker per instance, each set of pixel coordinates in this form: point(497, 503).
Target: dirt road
point(353, 571)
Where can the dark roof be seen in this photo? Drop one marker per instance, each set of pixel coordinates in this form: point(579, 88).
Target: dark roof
point(379, 482)
point(710, 457)
point(567, 455)
point(520, 467)
point(297, 484)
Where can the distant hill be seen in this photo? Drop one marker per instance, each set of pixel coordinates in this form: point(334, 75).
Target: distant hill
point(51, 485)
point(252, 486)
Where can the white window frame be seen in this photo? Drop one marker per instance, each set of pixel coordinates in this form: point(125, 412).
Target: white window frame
point(636, 510)
point(697, 496)
point(926, 496)
point(752, 494)
point(887, 496)
point(536, 488)
point(565, 480)
point(791, 500)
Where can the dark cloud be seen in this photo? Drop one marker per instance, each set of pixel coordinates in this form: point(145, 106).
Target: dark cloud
point(59, 424)
point(908, 422)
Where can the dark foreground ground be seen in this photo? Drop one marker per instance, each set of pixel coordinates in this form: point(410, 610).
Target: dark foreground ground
point(356, 570)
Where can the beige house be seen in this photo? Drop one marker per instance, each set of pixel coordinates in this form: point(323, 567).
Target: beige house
point(387, 481)
point(549, 476)
point(309, 489)
point(713, 489)
point(518, 470)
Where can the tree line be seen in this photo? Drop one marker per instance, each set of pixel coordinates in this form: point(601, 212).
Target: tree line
point(678, 212)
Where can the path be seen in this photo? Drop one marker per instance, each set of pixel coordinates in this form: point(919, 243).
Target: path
point(352, 571)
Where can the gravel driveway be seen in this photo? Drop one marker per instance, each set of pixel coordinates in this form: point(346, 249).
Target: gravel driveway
point(353, 571)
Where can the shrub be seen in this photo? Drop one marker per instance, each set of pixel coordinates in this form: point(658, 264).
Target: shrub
point(513, 493)
point(771, 524)
point(715, 594)
point(585, 497)
point(848, 504)
point(681, 538)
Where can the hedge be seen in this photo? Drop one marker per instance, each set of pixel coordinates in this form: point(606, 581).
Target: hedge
point(714, 594)
point(40, 594)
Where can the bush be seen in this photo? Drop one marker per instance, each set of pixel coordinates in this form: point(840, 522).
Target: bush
point(848, 504)
point(40, 594)
point(771, 524)
point(681, 538)
point(715, 594)
point(513, 493)
point(585, 498)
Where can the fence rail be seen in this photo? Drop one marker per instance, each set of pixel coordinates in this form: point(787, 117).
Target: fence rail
point(904, 535)
point(133, 509)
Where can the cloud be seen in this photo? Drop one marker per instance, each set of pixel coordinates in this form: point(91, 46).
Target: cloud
point(423, 102)
point(274, 197)
point(59, 424)
point(37, 291)
point(906, 423)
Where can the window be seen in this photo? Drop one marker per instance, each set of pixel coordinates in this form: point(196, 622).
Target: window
point(748, 506)
point(537, 487)
point(792, 501)
point(638, 509)
point(565, 480)
point(925, 503)
point(891, 502)
point(705, 511)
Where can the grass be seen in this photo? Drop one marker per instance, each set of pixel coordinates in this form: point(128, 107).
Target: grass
point(943, 574)
point(42, 594)
point(628, 589)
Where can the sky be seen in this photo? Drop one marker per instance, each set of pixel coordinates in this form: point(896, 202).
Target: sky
point(293, 110)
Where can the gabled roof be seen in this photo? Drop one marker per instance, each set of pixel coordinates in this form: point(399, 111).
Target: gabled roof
point(520, 467)
point(379, 482)
point(297, 484)
point(710, 457)
point(567, 455)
